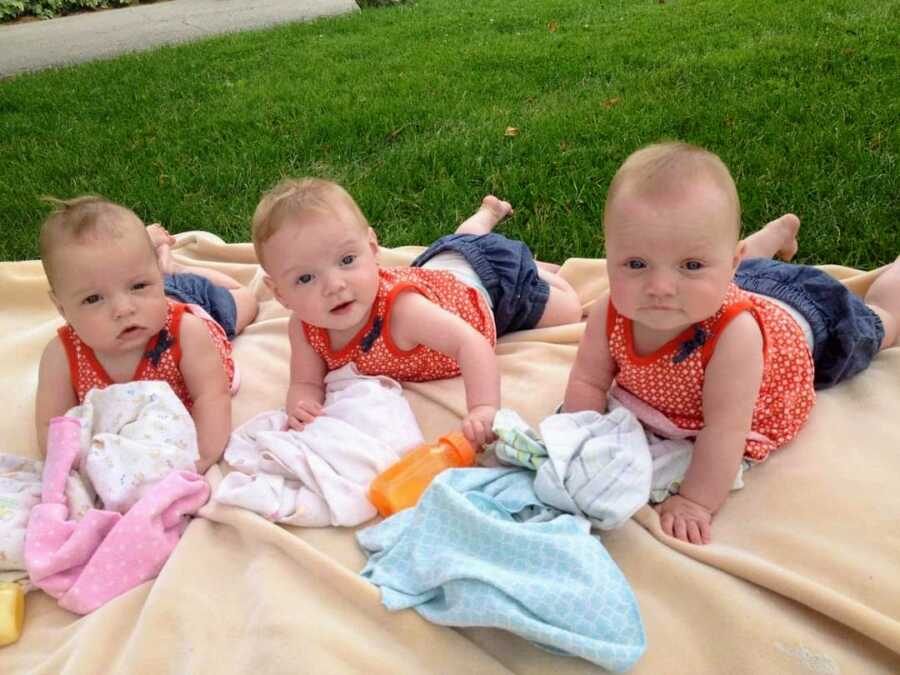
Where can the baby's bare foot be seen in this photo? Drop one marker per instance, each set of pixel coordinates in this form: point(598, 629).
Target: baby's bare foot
point(785, 229)
point(160, 235)
point(498, 208)
point(164, 256)
point(163, 242)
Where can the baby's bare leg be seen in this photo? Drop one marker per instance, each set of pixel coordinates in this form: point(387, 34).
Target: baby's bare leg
point(777, 238)
point(563, 305)
point(491, 212)
point(245, 302)
point(246, 307)
point(883, 298)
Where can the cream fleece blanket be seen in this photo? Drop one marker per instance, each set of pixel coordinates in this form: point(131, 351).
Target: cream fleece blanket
point(803, 575)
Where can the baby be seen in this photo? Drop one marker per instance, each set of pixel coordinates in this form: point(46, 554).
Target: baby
point(437, 319)
point(106, 282)
point(710, 332)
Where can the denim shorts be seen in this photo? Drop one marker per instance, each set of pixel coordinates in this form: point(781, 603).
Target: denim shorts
point(846, 333)
point(193, 289)
point(508, 272)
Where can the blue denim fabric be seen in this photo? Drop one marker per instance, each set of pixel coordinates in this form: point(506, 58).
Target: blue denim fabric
point(196, 290)
point(508, 272)
point(846, 333)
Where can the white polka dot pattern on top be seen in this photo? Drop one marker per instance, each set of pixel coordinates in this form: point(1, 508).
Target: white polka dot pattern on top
point(87, 373)
point(372, 350)
point(786, 395)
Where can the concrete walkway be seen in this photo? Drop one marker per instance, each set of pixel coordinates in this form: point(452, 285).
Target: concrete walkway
point(97, 35)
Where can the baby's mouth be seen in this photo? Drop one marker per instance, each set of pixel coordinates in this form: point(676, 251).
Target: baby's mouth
point(129, 331)
point(341, 308)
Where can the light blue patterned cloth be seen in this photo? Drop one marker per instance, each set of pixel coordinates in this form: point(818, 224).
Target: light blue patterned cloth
point(481, 550)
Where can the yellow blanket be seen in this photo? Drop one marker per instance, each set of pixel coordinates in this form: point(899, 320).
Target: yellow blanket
point(803, 575)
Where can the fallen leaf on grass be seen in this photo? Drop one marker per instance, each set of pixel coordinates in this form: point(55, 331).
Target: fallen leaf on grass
point(553, 26)
point(511, 131)
point(610, 102)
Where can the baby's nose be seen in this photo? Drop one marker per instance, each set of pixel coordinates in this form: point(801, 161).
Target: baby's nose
point(661, 283)
point(335, 283)
point(123, 305)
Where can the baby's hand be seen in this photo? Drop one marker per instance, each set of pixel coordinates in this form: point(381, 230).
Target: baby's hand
point(686, 520)
point(477, 425)
point(303, 413)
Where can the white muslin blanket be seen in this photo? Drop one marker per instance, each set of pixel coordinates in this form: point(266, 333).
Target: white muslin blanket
point(319, 476)
point(601, 466)
point(132, 436)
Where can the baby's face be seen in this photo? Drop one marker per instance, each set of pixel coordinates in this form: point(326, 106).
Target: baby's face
point(671, 257)
point(110, 290)
point(323, 267)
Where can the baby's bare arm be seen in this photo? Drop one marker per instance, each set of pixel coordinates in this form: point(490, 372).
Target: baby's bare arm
point(306, 392)
point(416, 320)
point(594, 368)
point(54, 392)
point(208, 386)
point(731, 386)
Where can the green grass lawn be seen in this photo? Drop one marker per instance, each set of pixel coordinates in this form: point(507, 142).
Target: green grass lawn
point(408, 107)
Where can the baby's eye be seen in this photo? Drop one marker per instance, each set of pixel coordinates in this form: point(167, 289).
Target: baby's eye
point(693, 265)
point(304, 278)
point(348, 259)
point(139, 286)
point(91, 299)
point(636, 264)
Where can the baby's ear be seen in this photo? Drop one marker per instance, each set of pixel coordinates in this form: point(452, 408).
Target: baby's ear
point(56, 303)
point(740, 252)
point(267, 280)
point(373, 241)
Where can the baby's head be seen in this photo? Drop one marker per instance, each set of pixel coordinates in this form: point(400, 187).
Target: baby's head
point(103, 273)
point(671, 224)
point(318, 252)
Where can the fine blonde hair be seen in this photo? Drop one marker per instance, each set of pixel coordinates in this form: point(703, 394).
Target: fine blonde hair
point(81, 218)
point(294, 196)
point(659, 167)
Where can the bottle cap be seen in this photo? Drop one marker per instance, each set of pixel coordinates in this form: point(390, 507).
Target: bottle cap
point(457, 440)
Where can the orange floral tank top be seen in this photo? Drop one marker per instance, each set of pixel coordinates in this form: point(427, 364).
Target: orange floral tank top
point(372, 349)
point(160, 361)
point(670, 380)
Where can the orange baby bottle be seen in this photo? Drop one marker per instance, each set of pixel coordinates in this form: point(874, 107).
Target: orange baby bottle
point(401, 484)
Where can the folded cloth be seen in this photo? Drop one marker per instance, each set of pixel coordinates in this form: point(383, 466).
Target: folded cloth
point(132, 436)
point(480, 549)
point(20, 491)
point(85, 563)
point(320, 476)
point(601, 466)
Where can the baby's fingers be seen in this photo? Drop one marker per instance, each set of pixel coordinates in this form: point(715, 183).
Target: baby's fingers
point(294, 423)
point(307, 411)
point(666, 520)
point(705, 531)
point(679, 529)
point(469, 431)
point(695, 533)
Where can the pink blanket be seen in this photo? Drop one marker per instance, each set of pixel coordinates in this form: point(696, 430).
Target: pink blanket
point(86, 563)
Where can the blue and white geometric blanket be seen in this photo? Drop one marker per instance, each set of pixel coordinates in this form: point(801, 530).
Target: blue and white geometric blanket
point(481, 550)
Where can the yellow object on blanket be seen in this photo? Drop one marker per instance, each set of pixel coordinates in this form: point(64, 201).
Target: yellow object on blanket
point(12, 611)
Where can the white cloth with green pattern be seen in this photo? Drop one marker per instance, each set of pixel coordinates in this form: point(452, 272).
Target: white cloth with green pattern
point(601, 466)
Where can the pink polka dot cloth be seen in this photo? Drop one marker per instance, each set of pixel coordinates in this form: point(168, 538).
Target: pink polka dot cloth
point(87, 563)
